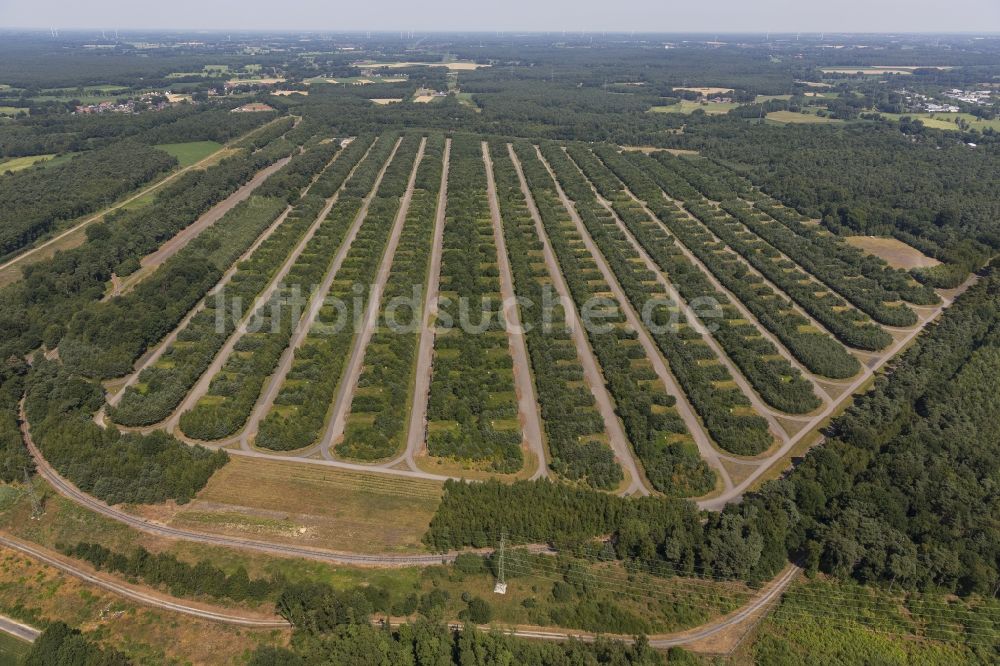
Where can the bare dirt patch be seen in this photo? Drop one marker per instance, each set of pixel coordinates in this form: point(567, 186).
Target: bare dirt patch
point(897, 253)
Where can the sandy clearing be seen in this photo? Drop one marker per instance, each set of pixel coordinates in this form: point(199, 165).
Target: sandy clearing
point(707, 90)
point(591, 370)
point(895, 252)
point(453, 66)
point(528, 409)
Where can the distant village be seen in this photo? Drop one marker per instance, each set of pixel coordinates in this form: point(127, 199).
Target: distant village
point(920, 102)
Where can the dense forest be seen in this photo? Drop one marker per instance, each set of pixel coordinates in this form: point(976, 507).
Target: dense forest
point(335, 626)
point(869, 504)
point(35, 201)
point(113, 466)
point(933, 191)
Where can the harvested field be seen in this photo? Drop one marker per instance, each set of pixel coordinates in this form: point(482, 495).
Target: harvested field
point(897, 253)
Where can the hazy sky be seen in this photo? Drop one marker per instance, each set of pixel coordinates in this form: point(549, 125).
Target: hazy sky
point(592, 15)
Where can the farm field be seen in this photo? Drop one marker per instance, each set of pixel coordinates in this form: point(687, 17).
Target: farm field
point(19, 163)
point(314, 505)
point(895, 252)
point(688, 106)
point(948, 121)
point(190, 153)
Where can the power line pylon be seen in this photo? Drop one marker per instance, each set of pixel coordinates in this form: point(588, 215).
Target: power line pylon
point(501, 584)
point(37, 510)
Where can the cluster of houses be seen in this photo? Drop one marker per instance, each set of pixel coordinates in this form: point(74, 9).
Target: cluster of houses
point(971, 96)
point(920, 102)
point(143, 103)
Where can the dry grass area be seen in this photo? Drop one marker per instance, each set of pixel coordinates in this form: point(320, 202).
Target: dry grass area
point(707, 90)
point(386, 100)
point(260, 82)
point(895, 252)
point(314, 505)
point(456, 66)
point(792, 117)
point(35, 593)
point(286, 93)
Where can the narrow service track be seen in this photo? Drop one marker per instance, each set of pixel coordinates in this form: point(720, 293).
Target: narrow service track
point(18, 630)
point(352, 371)
point(591, 370)
point(24, 257)
point(754, 608)
point(179, 241)
point(267, 398)
point(527, 404)
point(204, 382)
point(153, 599)
point(705, 447)
point(425, 349)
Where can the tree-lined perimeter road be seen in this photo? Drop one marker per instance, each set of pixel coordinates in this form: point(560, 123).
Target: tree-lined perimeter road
point(179, 241)
point(753, 609)
point(151, 598)
point(531, 422)
point(591, 371)
point(24, 257)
